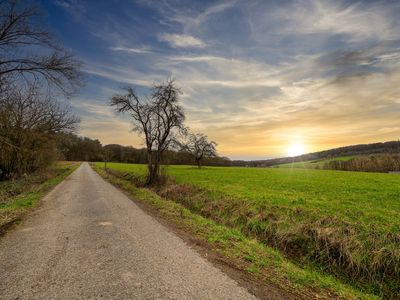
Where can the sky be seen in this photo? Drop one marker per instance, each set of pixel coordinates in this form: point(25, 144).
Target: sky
point(261, 78)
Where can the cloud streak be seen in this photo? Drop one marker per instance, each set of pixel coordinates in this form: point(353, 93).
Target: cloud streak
point(132, 50)
point(182, 40)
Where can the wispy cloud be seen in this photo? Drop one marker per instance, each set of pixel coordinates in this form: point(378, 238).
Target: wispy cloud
point(197, 58)
point(357, 22)
point(101, 110)
point(192, 22)
point(182, 40)
point(123, 74)
point(132, 50)
point(64, 4)
point(74, 7)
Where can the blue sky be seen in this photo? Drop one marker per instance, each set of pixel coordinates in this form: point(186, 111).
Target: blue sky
point(256, 76)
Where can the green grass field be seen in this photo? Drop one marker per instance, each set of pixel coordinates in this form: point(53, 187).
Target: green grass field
point(346, 223)
point(312, 164)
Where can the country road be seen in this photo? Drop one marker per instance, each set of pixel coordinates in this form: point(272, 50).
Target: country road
point(88, 240)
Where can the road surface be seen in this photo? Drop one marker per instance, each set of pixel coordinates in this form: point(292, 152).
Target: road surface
point(88, 240)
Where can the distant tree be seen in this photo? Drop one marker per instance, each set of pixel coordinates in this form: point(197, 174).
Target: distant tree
point(128, 154)
point(158, 118)
point(200, 147)
point(28, 52)
point(76, 148)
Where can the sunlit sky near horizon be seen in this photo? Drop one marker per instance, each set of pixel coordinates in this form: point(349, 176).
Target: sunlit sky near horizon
point(261, 78)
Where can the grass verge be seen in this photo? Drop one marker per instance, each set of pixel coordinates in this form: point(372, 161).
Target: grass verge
point(247, 254)
point(19, 196)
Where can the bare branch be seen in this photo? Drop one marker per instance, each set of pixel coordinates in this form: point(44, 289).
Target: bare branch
point(199, 147)
point(56, 67)
point(158, 118)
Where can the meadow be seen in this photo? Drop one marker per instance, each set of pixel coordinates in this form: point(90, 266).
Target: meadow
point(344, 223)
point(312, 164)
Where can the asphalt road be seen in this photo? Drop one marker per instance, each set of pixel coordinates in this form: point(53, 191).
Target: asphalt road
point(89, 241)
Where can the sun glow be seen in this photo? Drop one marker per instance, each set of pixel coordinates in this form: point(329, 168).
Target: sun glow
point(296, 149)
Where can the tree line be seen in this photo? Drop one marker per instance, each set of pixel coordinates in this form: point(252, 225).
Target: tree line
point(36, 73)
point(75, 148)
point(361, 149)
point(383, 163)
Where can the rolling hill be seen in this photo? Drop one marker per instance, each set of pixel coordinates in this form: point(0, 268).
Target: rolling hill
point(347, 151)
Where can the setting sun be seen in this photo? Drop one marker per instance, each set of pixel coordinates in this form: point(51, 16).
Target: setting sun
point(296, 149)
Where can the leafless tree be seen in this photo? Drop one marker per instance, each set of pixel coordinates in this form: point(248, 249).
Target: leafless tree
point(28, 121)
point(199, 147)
point(33, 69)
point(29, 53)
point(159, 118)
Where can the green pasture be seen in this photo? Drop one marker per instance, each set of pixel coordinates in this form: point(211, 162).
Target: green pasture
point(312, 164)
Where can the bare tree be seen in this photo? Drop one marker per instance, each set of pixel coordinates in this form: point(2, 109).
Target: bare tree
point(33, 69)
point(199, 147)
point(159, 118)
point(28, 121)
point(29, 53)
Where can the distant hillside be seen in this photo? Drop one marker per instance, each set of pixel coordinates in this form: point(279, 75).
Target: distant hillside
point(362, 149)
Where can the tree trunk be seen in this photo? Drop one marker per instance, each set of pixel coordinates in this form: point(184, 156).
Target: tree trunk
point(153, 165)
point(198, 161)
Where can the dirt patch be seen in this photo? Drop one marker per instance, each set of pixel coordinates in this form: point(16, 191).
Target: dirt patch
point(8, 225)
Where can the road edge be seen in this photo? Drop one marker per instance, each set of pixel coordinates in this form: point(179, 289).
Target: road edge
point(44, 189)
